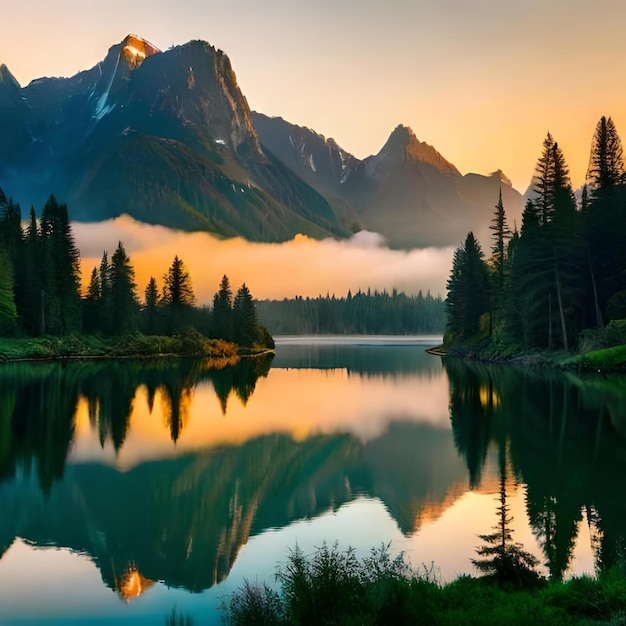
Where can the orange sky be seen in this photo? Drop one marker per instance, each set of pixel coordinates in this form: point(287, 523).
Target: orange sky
point(483, 81)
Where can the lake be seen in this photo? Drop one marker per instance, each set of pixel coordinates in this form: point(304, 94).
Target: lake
point(129, 488)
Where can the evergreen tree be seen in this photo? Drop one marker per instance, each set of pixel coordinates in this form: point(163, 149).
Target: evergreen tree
point(91, 304)
point(468, 291)
point(530, 267)
point(498, 261)
point(177, 288)
point(543, 181)
point(151, 308)
point(178, 296)
point(62, 312)
point(31, 313)
point(545, 273)
point(244, 317)
point(123, 296)
point(567, 243)
point(503, 559)
point(10, 227)
point(222, 326)
point(606, 161)
point(605, 216)
point(8, 311)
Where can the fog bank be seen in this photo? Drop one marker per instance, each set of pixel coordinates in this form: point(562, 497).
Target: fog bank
point(302, 266)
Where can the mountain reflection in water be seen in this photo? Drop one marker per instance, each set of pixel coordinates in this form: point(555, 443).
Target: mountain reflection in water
point(164, 470)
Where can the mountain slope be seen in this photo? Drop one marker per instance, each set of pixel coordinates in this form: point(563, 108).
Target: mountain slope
point(164, 136)
point(408, 191)
point(169, 138)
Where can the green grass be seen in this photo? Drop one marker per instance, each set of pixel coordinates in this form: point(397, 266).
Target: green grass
point(190, 343)
point(332, 586)
point(606, 359)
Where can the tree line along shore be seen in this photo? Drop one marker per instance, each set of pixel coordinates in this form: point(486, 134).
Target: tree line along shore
point(43, 313)
point(553, 291)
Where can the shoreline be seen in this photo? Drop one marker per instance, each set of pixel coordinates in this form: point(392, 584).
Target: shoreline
point(604, 361)
point(133, 347)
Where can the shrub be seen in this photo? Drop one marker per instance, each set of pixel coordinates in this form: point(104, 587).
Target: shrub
point(254, 604)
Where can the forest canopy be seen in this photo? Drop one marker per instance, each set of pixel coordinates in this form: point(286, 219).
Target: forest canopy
point(564, 273)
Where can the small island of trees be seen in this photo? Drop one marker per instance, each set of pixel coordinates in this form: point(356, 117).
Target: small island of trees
point(40, 296)
point(559, 284)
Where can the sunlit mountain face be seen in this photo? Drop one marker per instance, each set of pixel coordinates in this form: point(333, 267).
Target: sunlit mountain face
point(174, 131)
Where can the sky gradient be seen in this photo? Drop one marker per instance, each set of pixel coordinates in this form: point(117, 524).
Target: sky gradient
point(481, 80)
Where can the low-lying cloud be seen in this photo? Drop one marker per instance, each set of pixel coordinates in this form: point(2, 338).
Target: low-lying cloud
point(301, 266)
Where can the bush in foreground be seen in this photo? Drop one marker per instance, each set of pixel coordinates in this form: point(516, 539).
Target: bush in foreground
point(334, 587)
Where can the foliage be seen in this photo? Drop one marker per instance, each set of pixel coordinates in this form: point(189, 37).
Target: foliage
point(39, 294)
point(565, 272)
point(606, 161)
point(365, 313)
point(254, 604)
point(222, 325)
point(335, 587)
point(124, 304)
point(604, 360)
point(468, 290)
point(188, 343)
point(8, 311)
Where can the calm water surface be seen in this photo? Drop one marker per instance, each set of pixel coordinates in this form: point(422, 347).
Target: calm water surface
point(129, 488)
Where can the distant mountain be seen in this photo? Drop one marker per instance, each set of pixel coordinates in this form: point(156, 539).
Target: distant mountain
point(168, 138)
point(164, 136)
point(408, 191)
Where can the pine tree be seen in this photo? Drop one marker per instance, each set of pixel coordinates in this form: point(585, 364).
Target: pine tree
point(31, 314)
point(62, 312)
point(502, 558)
point(177, 288)
point(123, 292)
point(498, 261)
point(150, 312)
point(543, 181)
point(545, 273)
point(567, 243)
point(531, 272)
point(91, 304)
point(605, 215)
point(178, 296)
point(104, 318)
point(468, 291)
point(244, 317)
point(606, 161)
point(223, 326)
point(8, 311)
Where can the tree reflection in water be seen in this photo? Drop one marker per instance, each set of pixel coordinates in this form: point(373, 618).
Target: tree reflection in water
point(566, 437)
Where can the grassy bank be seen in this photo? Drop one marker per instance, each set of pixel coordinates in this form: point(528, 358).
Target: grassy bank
point(335, 587)
point(597, 350)
point(134, 345)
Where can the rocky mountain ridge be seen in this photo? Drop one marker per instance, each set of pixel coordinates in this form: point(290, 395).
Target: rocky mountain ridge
point(169, 138)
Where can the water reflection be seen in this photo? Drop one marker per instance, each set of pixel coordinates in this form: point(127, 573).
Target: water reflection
point(162, 471)
point(182, 516)
point(567, 441)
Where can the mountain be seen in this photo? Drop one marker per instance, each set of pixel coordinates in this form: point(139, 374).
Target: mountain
point(164, 136)
point(408, 191)
point(168, 138)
